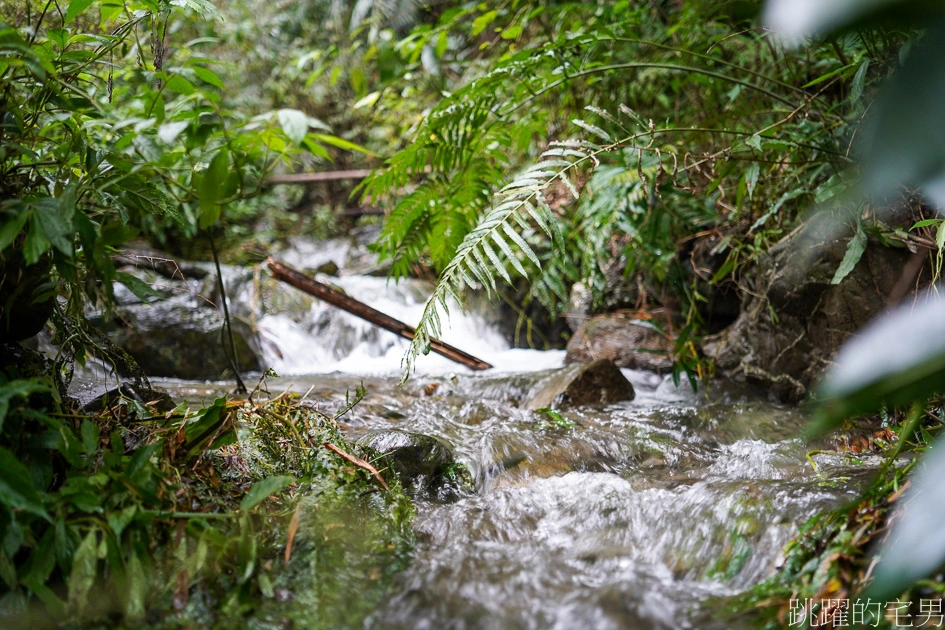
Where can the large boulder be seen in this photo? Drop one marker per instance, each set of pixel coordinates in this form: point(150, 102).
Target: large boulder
point(178, 334)
point(627, 342)
point(793, 318)
point(177, 340)
point(597, 383)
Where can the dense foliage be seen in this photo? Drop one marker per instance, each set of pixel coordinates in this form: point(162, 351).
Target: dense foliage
point(112, 129)
point(696, 123)
point(526, 147)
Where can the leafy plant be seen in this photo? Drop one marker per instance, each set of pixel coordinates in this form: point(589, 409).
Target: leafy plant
point(899, 359)
point(703, 159)
point(108, 133)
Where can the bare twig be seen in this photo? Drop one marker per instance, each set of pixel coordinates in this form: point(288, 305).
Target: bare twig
point(357, 461)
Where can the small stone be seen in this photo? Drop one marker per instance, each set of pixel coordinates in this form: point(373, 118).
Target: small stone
point(329, 268)
point(628, 342)
point(597, 383)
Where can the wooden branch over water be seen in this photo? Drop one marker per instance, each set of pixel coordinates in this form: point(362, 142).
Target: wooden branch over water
point(340, 299)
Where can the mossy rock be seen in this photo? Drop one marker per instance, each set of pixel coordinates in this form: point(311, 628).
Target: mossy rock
point(352, 536)
point(425, 465)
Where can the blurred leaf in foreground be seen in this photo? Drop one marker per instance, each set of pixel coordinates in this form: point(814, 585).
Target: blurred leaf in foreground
point(916, 547)
point(897, 359)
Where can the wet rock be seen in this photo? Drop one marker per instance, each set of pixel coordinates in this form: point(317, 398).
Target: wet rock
point(179, 339)
point(813, 316)
point(329, 268)
point(96, 397)
point(628, 342)
point(425, 465)
point(596, 383)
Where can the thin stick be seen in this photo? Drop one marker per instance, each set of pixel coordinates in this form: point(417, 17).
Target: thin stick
point(333, 296)
point(357, 461)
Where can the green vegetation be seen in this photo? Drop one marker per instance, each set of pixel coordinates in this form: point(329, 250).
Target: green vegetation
point(187, 517)
point(521, 148)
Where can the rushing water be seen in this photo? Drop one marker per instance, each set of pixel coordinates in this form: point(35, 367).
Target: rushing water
point(637, 515)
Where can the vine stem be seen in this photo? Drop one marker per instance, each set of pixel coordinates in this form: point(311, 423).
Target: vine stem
point(226, 332)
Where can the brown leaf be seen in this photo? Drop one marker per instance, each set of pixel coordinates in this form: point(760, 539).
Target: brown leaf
point(293, 529)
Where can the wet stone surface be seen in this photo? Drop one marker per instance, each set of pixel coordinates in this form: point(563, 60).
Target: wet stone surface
point(425, 465)
point(596, 383)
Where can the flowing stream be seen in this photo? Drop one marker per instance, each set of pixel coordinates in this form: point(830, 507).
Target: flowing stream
point(638, 515)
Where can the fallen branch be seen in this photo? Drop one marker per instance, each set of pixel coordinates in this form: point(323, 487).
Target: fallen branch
point(324, 176)
point(357, 461)
point(341, 300)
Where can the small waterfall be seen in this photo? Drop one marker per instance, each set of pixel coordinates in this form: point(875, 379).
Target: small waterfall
point(298, 334)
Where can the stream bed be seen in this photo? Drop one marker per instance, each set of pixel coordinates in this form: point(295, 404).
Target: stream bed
point(636, 515)
point(641, 514)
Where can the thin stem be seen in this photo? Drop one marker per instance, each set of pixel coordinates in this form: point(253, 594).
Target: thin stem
point(227, 329)
point(640, 65)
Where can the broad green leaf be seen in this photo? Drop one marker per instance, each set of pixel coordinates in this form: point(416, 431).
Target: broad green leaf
point(76, 7)
point(859, 81)
point(925, 223)
point(110, 9)
point(751, 178)
point(340, 143)
point(897, 359)
point(904, 142)
point(855, 249)
point(795, 20)
point(512, 32)
point(483, 21)
point(116, 233)
point(262, 489)
point(36, 243)
point(90, 435)
point(211, 188)
point(179, 84)
point(141, 289)
point(135, 587)
point(16, 486)
point(19, 388)
point(294, 123)
point(7, 570)
point(247, 549)
point(118, 521)
point(368, 101)
point(205, 426)
point(203, 7)
point(137, 192)
point(316, 149)
point(12, 228)
point(168, 132)
point(915, 547)
point(56, 223)
point(208, 76)
point(84, 571)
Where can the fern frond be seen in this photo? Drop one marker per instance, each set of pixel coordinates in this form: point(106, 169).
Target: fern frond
point(494, 247)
